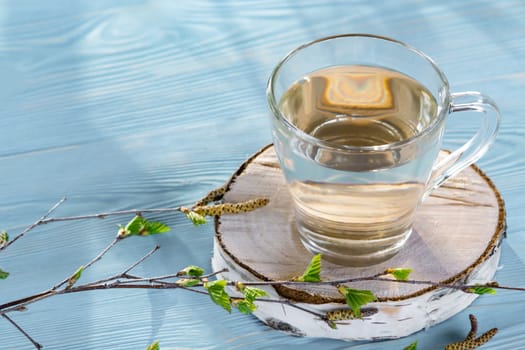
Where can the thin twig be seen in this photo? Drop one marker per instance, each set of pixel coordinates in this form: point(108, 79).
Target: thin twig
point(19, 304)
point(215, 194)
point(103, 252)
point(506, 287)
point(21, 330)
point(124, 274)
point(113, 213)
point(132, 266)
point(462, 287)
point(94, 260)
point(33, 225)
point(159, 279)
point(55, 290)
point(377, 278)
point(212, 274)
point(291, 304)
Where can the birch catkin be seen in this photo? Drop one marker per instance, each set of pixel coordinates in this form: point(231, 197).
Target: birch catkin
point(230, 208)
point(469, 344)
point(212, 196)
point(348, 314)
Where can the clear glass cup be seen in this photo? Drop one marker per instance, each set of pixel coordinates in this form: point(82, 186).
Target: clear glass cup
point(357, 123)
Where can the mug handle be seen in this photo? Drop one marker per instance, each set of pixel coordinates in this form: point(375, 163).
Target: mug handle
point(476, 146)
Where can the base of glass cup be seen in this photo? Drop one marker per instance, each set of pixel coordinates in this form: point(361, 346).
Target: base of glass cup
point(350, 251)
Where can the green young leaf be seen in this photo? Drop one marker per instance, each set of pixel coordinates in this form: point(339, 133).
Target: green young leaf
point(196, 218)
point(74, 277)
point(252, 293)
point(132, 228)
point(218, 295)
point(135, 225)
point(313, 271)
point(480, 290)
point(153, 346)
point(400, 274)
point(355, 298)
point(245, 306)
point(412, 346)
point(188, 282)
point(3, 274)
point(140, 226)
point(154, 227)
point(4, 238)
point(192, 270)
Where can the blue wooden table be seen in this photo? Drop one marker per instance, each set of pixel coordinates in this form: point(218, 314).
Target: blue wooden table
point(128, 104)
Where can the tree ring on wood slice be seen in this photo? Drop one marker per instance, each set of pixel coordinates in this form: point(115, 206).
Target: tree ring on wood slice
point(456, 239)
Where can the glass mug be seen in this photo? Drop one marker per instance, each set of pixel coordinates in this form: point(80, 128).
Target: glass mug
point(357, 125)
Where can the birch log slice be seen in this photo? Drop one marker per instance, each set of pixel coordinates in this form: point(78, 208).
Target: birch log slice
point(456, 238)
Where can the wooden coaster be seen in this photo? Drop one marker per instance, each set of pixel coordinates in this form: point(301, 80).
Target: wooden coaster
point(457, 233)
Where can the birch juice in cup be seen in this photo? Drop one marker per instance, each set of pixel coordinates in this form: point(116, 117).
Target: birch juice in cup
point(357, 123)
point(352, 207)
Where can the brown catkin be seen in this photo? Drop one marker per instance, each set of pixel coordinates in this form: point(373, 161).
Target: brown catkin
point(471, 343)
point(485, 337)
point(473, 328)
point(212, 196)
point(230, 208)
point(348, 314)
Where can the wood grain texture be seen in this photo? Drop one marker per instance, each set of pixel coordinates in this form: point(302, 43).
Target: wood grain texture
point(456, 239)
point(455, 231)
point(127, 103)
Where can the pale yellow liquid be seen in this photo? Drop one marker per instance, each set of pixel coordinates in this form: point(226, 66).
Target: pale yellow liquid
point(357, 213)
point(360, 224)
point(359, 105)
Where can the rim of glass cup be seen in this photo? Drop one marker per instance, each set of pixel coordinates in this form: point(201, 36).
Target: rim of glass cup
point(277, 112)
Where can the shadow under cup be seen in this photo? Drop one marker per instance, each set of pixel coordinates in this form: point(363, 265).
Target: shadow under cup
point(357, 123)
